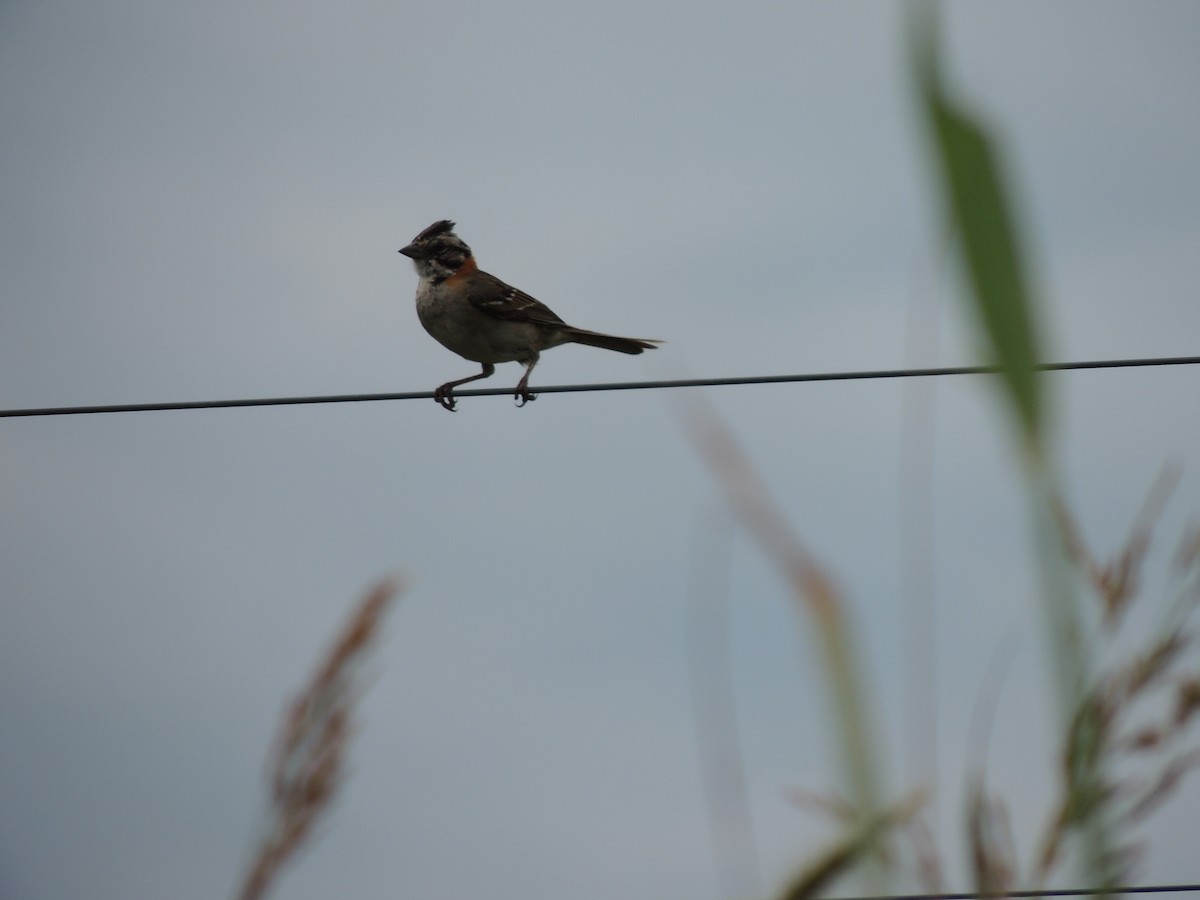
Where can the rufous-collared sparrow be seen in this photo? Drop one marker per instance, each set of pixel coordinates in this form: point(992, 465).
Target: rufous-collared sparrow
point(483, 319)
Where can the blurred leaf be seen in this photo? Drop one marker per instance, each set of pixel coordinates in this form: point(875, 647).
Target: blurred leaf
point(978, 213)
point(978, 208)
point(840, 858)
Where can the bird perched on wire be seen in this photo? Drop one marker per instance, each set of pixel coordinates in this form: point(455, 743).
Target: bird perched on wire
point(483, 319)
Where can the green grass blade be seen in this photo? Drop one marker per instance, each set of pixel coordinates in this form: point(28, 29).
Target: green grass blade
point(978, 212)
point(978, 207)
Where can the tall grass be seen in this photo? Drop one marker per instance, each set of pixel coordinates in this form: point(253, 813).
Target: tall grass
point(1112, 774)
point(978, 209)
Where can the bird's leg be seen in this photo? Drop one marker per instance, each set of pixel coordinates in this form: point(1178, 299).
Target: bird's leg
point(445, 394)
point(522, 393)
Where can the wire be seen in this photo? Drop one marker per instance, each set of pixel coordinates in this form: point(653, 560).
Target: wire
point(603, 386)
point(1049, 892)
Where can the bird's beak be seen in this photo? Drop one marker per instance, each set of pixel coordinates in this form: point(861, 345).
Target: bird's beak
point(412, 252)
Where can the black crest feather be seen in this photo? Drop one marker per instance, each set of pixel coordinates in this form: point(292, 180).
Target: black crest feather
point(442, 227)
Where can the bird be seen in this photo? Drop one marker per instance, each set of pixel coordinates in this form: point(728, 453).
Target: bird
point(485, 320)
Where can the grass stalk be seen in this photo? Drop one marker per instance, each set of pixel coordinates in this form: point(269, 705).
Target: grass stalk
point(819, 598)
point(977, 206)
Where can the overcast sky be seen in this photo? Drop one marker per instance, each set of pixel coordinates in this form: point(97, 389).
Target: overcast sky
point(204, 201)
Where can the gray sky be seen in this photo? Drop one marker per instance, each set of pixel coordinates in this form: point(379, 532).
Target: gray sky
point(203, 201)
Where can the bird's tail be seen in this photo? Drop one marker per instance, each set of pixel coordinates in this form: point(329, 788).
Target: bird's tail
point(609, 341)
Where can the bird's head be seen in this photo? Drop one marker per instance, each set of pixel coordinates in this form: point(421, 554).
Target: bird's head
point(437, 252)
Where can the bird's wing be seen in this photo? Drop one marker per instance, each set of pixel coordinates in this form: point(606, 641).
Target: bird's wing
point(494, 297)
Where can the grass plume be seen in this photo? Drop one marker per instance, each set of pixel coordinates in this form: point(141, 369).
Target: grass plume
point(307, 765)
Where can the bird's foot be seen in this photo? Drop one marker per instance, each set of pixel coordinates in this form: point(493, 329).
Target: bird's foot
point(445, 397)
point(523, 396)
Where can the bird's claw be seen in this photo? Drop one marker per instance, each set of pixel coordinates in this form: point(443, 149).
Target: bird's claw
point(523, 396)
point(445, 399)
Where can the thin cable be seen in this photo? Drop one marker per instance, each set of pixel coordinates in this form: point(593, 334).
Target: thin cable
point(1049, 892)
point(602, 386)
